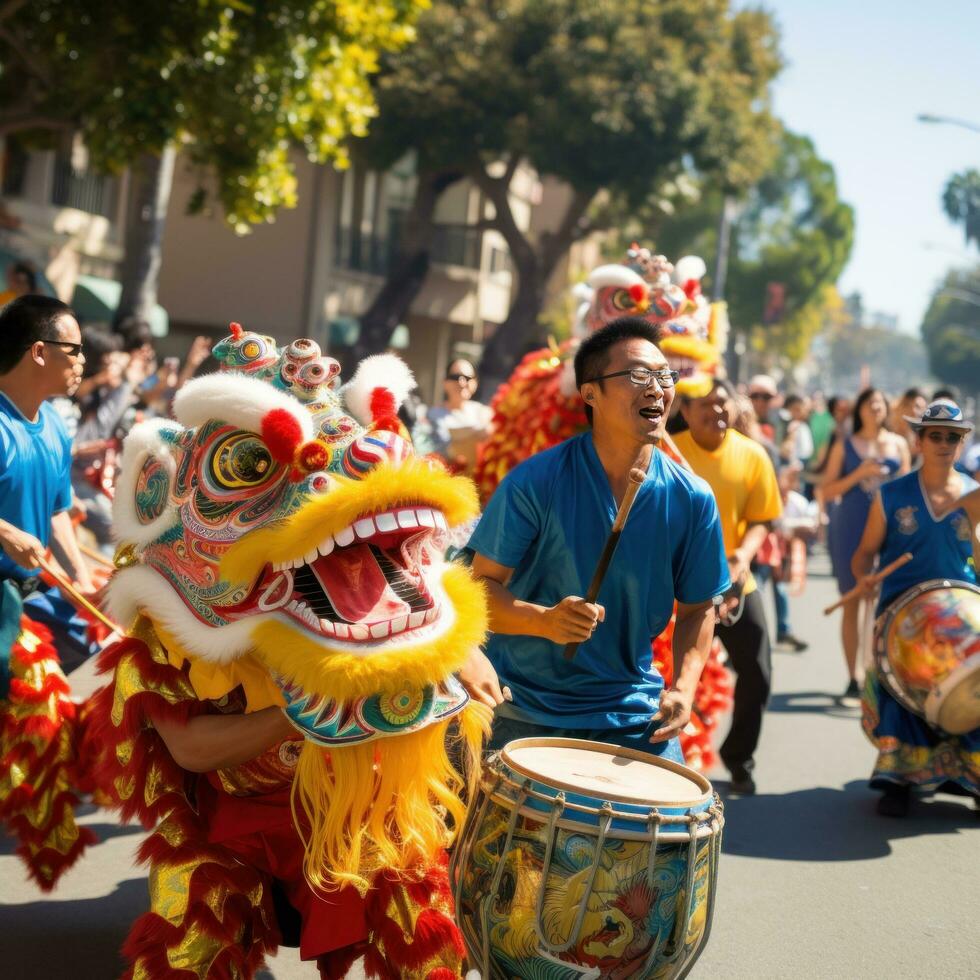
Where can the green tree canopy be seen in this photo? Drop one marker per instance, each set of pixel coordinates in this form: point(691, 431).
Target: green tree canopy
point(235, 84)
point(607, 96)
point(951, 330)
point(791, 239)
point(961, 202)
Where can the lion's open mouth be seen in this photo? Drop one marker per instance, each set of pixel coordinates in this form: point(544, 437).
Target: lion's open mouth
point(362, 584)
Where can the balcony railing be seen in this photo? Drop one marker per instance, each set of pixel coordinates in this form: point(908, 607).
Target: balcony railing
point(92, 193)
point(452, 244)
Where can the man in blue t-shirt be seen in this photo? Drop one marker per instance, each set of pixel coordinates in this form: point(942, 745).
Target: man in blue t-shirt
point(538, 542)
point(40, 358)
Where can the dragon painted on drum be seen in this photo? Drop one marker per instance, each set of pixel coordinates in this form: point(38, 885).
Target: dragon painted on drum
point(281, 545)
point(539, 407)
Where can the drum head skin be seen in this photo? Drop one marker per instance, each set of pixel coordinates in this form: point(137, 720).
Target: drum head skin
point(606, 772)
point(959, 711)
point(928, 652)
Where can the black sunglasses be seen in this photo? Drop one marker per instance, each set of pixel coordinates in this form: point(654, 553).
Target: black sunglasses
point(460, 377)
point(950, 438)
point(73, 349)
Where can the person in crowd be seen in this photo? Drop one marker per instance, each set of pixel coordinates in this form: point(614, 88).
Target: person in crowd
point(765, 400)
point(856, 466)
point(110, 385)
point(929, 514)
point(821, 424)
point(41, 357)
point(745, 420)
point(911, 405)
point(743, 481)
point(164, 379)
point(538, 543)
point(21, 281)
point(777, 559)
point(455, 428)
point(796, 446)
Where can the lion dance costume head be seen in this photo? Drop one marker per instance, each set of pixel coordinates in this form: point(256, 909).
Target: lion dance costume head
point(281, 534)
point(693, 331)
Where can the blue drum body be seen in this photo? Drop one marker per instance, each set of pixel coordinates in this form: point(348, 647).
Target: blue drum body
point(557, 882)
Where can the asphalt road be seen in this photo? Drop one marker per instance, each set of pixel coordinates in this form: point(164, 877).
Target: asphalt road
point(813, 884)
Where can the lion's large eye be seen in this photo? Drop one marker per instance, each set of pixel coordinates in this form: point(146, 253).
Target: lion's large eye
point(240, 461)
point(622, 300)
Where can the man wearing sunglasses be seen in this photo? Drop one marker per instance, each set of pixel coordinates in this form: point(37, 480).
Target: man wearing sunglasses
point(40, 358)
point(921, 512)
point(538, 542)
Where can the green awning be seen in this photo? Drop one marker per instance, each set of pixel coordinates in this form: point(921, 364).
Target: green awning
point(96, 298)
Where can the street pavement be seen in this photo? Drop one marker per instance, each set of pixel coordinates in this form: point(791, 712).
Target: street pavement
point(813, 884)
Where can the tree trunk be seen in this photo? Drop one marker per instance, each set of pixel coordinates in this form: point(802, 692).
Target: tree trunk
point(534, 264)
point(145, 219)
point(409, 268)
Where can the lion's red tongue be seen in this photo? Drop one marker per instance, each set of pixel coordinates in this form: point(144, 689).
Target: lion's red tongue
point(356, 587)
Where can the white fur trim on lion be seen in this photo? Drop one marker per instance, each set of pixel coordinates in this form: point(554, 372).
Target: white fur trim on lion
point(379, 371)
point(613, 275)
point(689, 267)
point(238, 400)
point(142, 589)
point(143, 442)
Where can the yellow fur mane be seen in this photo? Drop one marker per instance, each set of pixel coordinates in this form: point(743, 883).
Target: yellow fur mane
point(383, 804)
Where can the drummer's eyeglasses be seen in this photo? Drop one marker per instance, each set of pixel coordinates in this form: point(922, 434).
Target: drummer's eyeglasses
point(642, 377)
point(460, 377)
point(950, 438)
point(73, 350)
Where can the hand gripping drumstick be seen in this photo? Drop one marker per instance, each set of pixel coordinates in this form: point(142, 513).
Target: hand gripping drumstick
point(637, 474)
point(857, 592)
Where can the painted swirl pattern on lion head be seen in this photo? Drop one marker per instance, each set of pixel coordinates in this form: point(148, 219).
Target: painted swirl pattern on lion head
point(285, 518)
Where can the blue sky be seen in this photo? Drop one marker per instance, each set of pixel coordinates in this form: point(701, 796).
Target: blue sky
point(858, 73)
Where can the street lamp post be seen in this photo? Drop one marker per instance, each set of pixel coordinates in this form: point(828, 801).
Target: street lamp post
point(928, 117)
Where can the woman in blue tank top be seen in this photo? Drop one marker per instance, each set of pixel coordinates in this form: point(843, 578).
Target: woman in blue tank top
point(922, 513)
point(856, 467)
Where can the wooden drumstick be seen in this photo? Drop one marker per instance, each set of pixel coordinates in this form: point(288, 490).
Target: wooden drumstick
point(637, 474)
point(77, 596)
point(857, 592)
point(96, 556)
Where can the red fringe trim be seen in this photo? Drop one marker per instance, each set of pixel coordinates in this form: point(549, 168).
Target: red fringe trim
point(56, 862)
point(435, 932)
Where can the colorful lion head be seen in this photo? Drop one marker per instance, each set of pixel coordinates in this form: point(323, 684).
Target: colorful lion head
point(694, 331)
point(282, 526)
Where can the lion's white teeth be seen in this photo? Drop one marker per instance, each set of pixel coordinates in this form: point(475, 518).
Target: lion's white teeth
point(426, 518)
point(431, 615)
point(407, 518)
point(440, 521)
point(398, 625)
point(326, 547)
point(416, 619)
point(283, 580)
point(311, 556)
point(386, 522)
point(326, 626)
point(342, 630)
point(364, 528)
point(358, 632)
point(380, 630)
point(345, 537)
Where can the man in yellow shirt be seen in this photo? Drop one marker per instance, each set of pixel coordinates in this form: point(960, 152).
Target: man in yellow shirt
point(742, 477)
